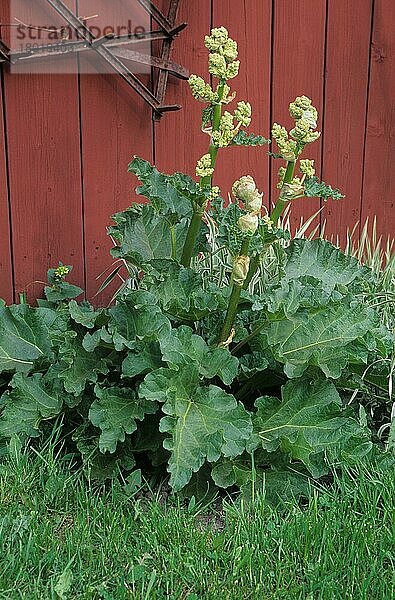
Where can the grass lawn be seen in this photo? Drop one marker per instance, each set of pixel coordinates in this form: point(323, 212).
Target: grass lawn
point(59, 538)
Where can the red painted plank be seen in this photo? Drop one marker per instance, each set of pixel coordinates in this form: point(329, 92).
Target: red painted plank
point(251, 28)
point(298, 62)
point(179, 142)
point(6, 288)
point(116, 123)
point(347, 69)
point(44, 167)
point(379, 185)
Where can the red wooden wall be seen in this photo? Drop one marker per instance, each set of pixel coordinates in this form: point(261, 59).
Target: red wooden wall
point(66, 140)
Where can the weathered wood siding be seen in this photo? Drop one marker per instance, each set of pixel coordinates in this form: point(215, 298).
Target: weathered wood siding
point(66, 140)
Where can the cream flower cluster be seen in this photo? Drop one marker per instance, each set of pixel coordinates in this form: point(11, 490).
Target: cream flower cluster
point(223, 54)
point(305, 115)
point(227, 127)
point(204, 167)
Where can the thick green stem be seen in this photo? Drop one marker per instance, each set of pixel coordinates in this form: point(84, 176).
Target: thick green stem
point(193, 230)
point(233, 301)
point(173, 242)
point(254, 264)
point(281, 204)
point(194, 225)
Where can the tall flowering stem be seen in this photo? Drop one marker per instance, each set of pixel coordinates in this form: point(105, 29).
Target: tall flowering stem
point(205, 180)
point(244, 190)
point(222, 128)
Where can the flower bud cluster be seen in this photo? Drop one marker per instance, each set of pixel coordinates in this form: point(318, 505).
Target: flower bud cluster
point(244, 189)
point(301, 108)
point(243, 113)
point(204, 167)
point(305, 115)
point(227, 128)
point(226, 131)
point(307, 167)
point(223, 54)
point(214, 193)
point(200, 89)
point(61, 272)
point(288, 148)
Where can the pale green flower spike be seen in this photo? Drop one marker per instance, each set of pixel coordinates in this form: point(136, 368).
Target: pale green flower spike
point(243, 113)
point(307, 167)
point(241, 264)
point(214, 193)
point(301, 129)
point(217, 66)
point(279, 133)
point(302, 108)
point(230, 50)
point(218, 38)
point(226, 132)
point(200, 89)
point(232, 70)
point(203, 167)
point(248, 223)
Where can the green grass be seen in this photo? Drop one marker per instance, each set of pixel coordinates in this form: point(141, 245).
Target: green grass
point(58, 534)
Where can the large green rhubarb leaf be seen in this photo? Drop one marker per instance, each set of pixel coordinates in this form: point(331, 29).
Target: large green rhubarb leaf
point(24, 336)
point(325, 262)
point(180, 291)
point(203, 422)
point(168, 194)
point(308, 424)
point(142, 235)
point(144, 358)
point(29, 401)
point(182, 347)
point(77, 367)
point(135, 318)
point(97, 465)
point(115, 411)
point(276, 485)
point(326, 337)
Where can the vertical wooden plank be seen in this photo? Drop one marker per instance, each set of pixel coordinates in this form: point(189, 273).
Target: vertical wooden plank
point(44, 168)
point(250, 26)
point(6, 284)
point(378, 183)
point(347, 70)
point(116, 124)
point(179, 142)
point(298, 69)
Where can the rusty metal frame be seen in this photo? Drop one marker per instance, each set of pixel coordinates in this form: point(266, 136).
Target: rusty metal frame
point(112, 48)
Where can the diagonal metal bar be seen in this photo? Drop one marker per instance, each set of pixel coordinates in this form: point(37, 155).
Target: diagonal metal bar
point(152, 61)
point(166, 53)
point(111, 47)
point(107, 55)
point(4, 52)
point(165, 23)
point(159, 17)
point(63, 47)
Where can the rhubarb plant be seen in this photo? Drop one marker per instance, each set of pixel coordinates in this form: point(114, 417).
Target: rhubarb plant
point(203, 368)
